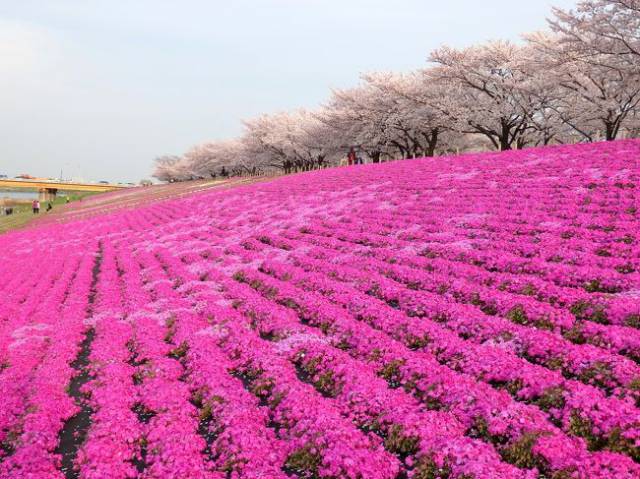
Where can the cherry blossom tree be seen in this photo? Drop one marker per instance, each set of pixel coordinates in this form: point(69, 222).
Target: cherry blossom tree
point(607, 27)
point(170, 168)
point(356, 119)
point(413, 98)
point(287, 141)
point(598, 94)
point(220, 158)
point(485, 91)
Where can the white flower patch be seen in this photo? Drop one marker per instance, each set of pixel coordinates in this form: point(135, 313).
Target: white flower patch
point(28, 329)
point(291, 342)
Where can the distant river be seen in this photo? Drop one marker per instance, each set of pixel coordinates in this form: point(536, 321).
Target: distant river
point(18, 195)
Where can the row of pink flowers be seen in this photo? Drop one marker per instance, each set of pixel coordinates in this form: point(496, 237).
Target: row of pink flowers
point(39, 352)
point(498, 363)
point(522, 310)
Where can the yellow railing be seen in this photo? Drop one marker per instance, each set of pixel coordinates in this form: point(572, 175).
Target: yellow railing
point(57, 185)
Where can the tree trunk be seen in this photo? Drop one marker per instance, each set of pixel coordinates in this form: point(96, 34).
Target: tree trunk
point(611, 131)
point(505, 143)
point(432, 142)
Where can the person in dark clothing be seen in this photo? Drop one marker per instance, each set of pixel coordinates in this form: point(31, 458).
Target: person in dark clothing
point(49, 207)
point(351, 156)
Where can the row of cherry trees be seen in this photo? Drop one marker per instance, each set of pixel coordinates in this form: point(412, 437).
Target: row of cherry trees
point(578, 82)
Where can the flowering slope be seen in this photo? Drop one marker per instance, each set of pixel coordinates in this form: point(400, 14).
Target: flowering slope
point(469, 317)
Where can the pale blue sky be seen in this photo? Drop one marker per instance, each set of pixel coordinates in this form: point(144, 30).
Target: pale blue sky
point(99, 88)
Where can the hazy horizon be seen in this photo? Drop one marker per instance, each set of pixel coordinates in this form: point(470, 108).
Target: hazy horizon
point(98, 89)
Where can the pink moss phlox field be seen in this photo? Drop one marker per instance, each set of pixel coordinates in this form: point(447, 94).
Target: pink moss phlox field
point(452, 318)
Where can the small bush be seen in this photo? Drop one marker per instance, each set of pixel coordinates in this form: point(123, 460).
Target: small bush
point(240, 276)
point(304, 462)
point(263, 387)
point(585, 310)
point(392, 374)
point(426, 468)
point(520, 452)
point(416, 342)
point(180, 351)
point(598, 374)
point(399, 443)
point(513, 387)
point(596, 286)
point(551, 398)
point(479, 429)
point(575, 334)
point(518, 315)
point(529, 290)
point(626, 268)
point(633, 321)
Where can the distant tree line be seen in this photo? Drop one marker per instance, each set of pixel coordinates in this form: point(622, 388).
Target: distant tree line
point(577, 82)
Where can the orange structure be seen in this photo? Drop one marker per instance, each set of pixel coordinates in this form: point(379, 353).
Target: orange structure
point(49, 189)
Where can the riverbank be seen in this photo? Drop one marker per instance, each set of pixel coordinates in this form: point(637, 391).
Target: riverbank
point(82, 206)
point(23, 213)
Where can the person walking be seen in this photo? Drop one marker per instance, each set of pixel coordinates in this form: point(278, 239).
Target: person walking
point(36, 207)
point(351, 157)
